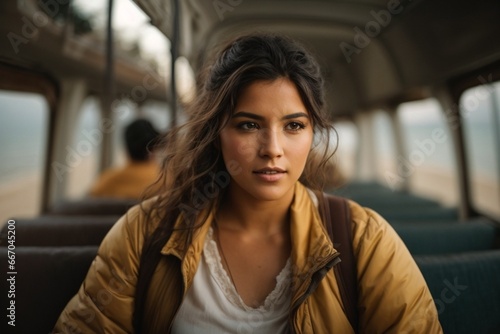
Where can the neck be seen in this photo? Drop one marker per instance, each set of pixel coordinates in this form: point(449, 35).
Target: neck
point(247, 214)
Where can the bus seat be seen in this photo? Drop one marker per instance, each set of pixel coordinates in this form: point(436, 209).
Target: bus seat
point(416, 215)
point(49, 231)
point(47, 278)
point(357, 188)
point(394, 199)
point(396, 205)
point(442, 238)
point(466, 290)
point(93, 206)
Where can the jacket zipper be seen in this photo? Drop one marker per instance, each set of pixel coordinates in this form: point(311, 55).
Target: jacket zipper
point(316, 277)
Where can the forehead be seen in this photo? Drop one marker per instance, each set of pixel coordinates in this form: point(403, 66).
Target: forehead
point(276, 96)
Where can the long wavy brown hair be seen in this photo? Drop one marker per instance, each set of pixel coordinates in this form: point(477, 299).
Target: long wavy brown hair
point(194, 176)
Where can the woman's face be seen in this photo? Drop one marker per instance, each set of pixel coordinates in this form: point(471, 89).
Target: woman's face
point(266, 142)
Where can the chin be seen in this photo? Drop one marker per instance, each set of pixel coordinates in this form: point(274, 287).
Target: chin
point(271, 193)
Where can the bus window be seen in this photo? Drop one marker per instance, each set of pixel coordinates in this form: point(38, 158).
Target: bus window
point(345, 156)
point(384, 147)
point(125, 112)
point(86, 142)
point(134, 35)
point(429, 161)
point(185, 79)
point(480, 107)
point(159, 113)
point(23, 132)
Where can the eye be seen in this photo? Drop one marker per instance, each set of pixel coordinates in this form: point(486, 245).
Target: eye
point(248, 126)
point(295, 126)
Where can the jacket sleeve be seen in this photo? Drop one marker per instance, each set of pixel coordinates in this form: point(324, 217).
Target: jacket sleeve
point(393, 295)
point(105, 300)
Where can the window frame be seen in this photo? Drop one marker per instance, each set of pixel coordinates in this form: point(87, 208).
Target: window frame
point(457, 87)
point(14, 78)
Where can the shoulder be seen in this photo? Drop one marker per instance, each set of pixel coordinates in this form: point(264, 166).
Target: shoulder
point(362, 215)
point(365, 219)
point(133, 226)
point(110, 174)
point(393, 291)
point(372, 231)
point(107, 178)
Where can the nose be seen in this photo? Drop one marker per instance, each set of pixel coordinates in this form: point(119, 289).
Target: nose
point(270, 142)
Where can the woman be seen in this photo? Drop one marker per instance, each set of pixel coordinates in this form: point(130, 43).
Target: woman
point(233, 242)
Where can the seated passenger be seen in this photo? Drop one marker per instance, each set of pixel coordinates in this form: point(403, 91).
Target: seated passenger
point(235, 242)
point(141, 169)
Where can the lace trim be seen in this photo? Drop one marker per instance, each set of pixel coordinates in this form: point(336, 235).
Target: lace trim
point(276, 297)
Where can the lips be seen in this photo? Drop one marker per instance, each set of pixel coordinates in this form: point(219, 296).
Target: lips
point(270, 174)
point(270, 170)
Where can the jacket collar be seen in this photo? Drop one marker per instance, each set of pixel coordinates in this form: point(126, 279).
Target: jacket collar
point(311, 245)
point(312, 248)
point(189, 254)
point(176, 244)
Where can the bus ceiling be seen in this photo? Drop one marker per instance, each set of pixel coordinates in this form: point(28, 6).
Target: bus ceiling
point(371, 51)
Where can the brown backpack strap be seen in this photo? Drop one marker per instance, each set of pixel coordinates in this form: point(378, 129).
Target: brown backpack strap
point(337, 219)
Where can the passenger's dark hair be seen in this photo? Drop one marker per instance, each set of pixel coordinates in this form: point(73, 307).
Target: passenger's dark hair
point(194, 176)
point(140, 135)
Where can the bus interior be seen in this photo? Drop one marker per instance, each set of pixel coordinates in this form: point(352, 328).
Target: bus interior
point(412, 88)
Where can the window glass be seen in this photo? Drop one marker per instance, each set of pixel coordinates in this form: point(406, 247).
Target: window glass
point(384, 146)
point(158, 113)
point(124, 112)
point(87, 141)
point(429, 160)
point(345, 156)
point(479, 107)
point(135, 37)
point(185, 79)
point(23, 133)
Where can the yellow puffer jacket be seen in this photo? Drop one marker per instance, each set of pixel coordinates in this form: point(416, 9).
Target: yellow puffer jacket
point(393, 296)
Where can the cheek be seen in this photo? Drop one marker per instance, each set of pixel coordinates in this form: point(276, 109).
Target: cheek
point(237, 148)
point(236, 152)
point(300, 148)
point(228, 154)
point(300, 154)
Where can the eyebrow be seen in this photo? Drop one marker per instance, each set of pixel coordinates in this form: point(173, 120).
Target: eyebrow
point(261, 118)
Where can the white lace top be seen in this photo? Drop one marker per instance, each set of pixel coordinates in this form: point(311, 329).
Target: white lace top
point(212, 304)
